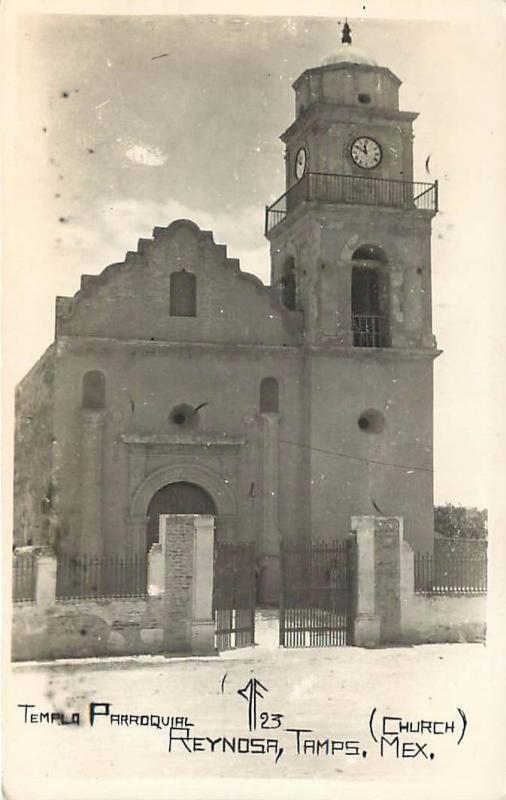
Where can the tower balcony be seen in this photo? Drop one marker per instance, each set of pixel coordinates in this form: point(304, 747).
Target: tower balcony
point(352, 189)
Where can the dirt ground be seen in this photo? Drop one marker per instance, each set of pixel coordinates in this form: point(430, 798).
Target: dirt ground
point(313, 735)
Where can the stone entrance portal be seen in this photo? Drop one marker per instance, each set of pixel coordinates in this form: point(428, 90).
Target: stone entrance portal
point(180, 497)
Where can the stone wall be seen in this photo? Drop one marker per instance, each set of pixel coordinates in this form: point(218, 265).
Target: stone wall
point(34, 488)
point(81, 628)
point(388, 610)
point(175, 617)
point(446, 618)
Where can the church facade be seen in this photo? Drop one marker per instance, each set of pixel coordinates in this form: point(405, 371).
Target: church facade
point(178, 383)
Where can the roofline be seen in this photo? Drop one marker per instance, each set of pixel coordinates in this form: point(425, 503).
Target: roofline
point(343, 65)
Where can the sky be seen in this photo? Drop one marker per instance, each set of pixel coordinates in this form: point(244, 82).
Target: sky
point(123, 123)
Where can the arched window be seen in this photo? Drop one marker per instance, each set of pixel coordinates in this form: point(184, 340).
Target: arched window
point(93, 389)
point(269, 396)
point(183, 294)
point(364, 290)
point(370, 297)
point(289, 285)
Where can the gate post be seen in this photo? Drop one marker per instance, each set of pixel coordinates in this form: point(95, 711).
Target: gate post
point(45, 578)
point(366, 631)
point(187, 542)
point(379, 579)
point(155, 571)
point(202, 627)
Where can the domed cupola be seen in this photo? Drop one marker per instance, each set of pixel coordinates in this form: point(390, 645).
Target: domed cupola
point(348, 53)
point(347, 77)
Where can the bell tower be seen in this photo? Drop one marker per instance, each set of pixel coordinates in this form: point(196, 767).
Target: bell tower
point(350, 238)
point(350, 248)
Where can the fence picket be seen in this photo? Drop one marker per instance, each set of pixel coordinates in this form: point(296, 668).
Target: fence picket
point(85, 576)
point(23, 577)
point(456, 567)
point(315, 586)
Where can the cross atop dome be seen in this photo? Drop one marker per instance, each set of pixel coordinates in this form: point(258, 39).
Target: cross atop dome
point(347, 52)
point(346, 37)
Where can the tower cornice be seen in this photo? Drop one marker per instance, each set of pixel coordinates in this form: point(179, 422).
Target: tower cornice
point(339, 113)
point(345, 65)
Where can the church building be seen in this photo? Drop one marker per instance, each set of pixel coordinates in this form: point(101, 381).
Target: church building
point(178, 383)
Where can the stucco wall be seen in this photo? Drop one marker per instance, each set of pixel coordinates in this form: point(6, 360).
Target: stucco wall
point(444, 619)
point(144, 383)
point(322, 240)
point(352, 468)
point(34, 488)
point(87, 628)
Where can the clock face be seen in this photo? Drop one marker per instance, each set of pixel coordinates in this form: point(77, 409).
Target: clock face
point(300, 163)
point(366, 153)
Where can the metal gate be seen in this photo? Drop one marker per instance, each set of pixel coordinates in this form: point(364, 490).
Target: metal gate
point(234, 595)
point(317, 594)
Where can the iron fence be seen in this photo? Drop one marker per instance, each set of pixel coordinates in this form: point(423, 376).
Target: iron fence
point(81, 577)
point(455, 569)
point(354, 189)
point(23, 578)
point(234, 594)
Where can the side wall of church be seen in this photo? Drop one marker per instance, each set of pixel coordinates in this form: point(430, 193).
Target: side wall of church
point(34, 490)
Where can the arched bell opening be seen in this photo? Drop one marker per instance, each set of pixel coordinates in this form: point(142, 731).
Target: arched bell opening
point(288, 285)
point(370, 292)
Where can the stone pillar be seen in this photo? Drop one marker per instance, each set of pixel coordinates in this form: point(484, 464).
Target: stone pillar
point(407, 582)
point(156, 571)
point(45, 579)
point(187, 552)
point(270, 543)
point(91, 481)
point(177, 549)
point(202, 630)
point(407, 572)
point(387, 557)
point(367, 622)
point(382, 576)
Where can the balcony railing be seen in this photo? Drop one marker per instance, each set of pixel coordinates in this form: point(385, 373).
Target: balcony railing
point(353, 189)
point(369, 330)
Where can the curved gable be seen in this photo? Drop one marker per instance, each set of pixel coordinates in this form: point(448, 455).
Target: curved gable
point(132, 299)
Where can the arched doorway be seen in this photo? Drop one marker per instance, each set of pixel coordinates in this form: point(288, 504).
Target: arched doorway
point(181, 497)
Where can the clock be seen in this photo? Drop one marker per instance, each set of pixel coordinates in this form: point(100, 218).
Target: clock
point(300, 163)
point(366, 153)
